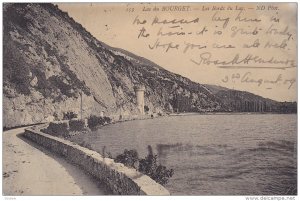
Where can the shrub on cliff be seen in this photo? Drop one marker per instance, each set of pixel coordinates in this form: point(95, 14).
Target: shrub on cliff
point(146, 109)
point(94, 121)
point(107, 120)
point(57, 129)
point(129, 158)
point(77, 125)
point(69, 115)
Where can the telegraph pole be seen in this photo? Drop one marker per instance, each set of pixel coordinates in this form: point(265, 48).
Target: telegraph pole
point(81, 104)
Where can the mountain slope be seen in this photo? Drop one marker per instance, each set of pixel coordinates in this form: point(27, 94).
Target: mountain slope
point(46, 65)
point(49, 59)
point(242, 101)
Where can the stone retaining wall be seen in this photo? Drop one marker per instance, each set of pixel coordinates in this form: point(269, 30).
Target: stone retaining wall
point(120, 179)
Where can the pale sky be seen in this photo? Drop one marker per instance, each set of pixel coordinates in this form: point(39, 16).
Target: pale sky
point(272, 26)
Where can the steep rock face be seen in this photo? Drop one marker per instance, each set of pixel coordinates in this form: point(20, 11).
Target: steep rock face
point(47, 64)
point(49, 60)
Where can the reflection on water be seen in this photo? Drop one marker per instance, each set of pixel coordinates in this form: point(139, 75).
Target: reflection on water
point(214, 154)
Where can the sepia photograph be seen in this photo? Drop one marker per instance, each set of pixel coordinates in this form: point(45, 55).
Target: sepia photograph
point(151, 99)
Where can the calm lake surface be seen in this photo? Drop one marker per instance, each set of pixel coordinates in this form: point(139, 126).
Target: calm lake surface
point(213, 154)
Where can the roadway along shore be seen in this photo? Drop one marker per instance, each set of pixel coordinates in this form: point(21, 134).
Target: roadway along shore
point(31, 170)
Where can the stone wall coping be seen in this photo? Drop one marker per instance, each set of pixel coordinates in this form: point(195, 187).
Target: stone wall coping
point(147, 185)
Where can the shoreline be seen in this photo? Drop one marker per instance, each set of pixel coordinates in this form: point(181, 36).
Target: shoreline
point(165, 115)
point(224, 113)
point(171, 142)
point(148, 117)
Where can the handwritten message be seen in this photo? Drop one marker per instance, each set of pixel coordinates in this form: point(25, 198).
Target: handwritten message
point(250, 44)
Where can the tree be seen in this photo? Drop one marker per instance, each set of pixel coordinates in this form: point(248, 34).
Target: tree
point(146, 108)
point(149, 166)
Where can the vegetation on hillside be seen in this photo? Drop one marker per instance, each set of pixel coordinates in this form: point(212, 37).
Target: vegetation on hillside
point(49, 60)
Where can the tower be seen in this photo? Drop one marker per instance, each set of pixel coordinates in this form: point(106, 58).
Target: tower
point(139, 92)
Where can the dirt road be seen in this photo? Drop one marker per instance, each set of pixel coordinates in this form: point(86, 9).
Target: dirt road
point(31, 170)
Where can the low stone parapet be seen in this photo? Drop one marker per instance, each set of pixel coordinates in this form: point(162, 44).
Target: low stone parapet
point(120, 179)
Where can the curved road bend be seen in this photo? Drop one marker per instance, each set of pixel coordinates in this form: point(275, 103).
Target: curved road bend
point(28, 169)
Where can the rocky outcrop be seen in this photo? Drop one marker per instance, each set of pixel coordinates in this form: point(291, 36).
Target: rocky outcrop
point(47, 65)
point(49, 60)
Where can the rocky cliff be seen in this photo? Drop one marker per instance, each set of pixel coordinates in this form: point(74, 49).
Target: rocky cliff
point(49, 60)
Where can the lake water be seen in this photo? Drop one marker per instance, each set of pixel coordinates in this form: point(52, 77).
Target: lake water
point(213, 154)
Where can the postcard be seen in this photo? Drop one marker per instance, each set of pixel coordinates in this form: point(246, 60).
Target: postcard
point(150, 99)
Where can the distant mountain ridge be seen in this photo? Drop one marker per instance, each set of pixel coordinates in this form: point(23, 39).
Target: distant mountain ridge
point(49, 60)
point(242, 101)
